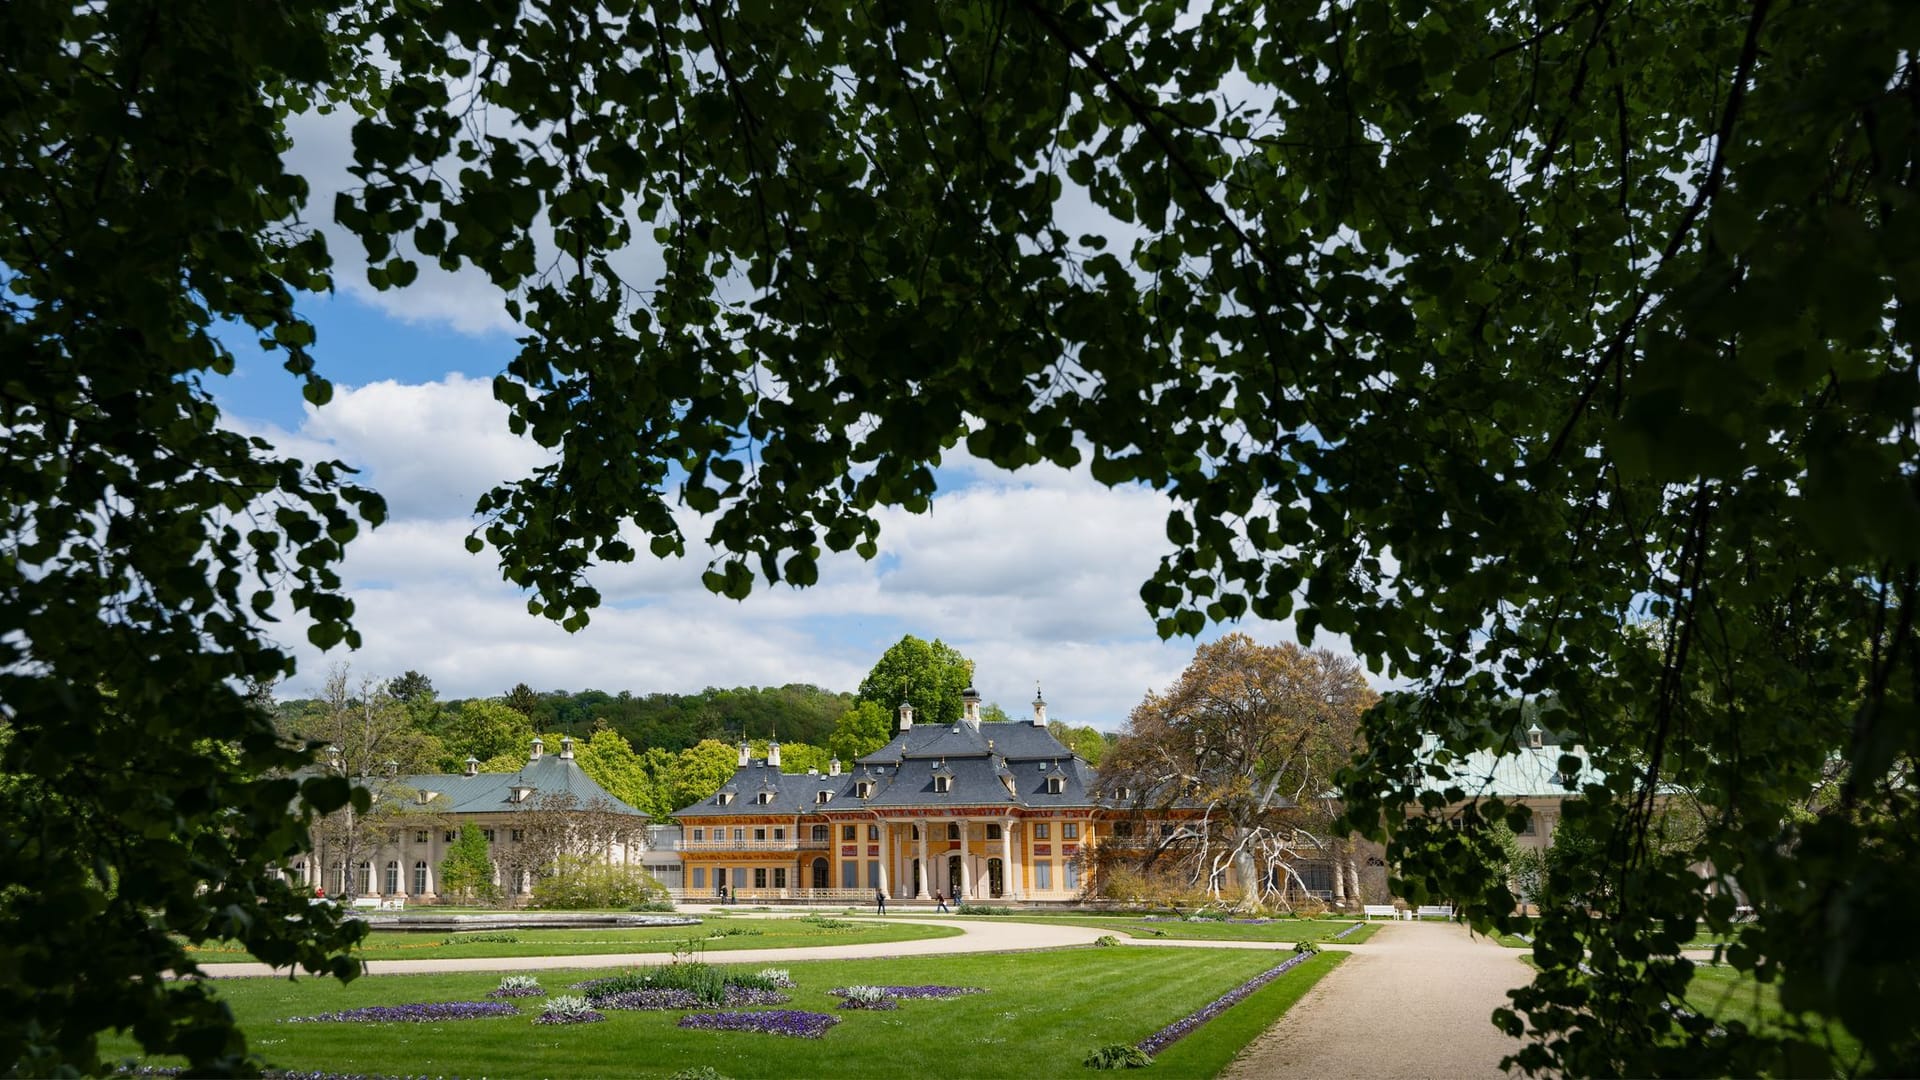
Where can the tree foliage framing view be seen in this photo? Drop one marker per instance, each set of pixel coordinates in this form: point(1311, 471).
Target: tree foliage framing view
point(1481, 334)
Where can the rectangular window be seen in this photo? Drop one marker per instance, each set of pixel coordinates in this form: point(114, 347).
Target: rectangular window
point(848, 832)
point(1070, 831)
point(739, 877)
point(759, 834)
point(488, 833)
point(519, 835)
point(779, 877)
point(759, 877)
point(1040, 830)
point(1043, 875)
point(699, 877)
point(849, 873)
point(450, 836)
point(419, 836)
point(873, 874)
point(779, 834)
point(1529, 830)
point(993, 832)
point(820, 832)
point(873, 832)
point(739, 836)
point(1123, 828)
point(699, 836)
point(1070, 876)
point(393, 836)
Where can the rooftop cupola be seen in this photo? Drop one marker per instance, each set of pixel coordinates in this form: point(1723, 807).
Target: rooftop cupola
point(746, 754)
point(833, 765)
point(566, 747)
point(1535, 736)
point(773, 754)
point(906, 717)
point(970, 699)
point(1039, 707)
point(539, 748)
point(393, 768)
point(473, 765)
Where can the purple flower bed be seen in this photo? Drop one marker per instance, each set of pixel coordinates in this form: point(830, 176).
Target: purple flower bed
point(802, 1025)
point(588, 1017)
point(591, 985)
point(1186, 1026)
point(517, 992)
point(423, 1013)
point(753, 995)
point(875, 1006)
point(930, 992)
point(647, 1000)
point(1349, 930)
point(1251, 922)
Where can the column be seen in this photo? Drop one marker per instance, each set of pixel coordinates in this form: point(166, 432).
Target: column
point(1339, 876)
point(886, 855)
point(966, 872)
point(921, 875)
point(1008, 887)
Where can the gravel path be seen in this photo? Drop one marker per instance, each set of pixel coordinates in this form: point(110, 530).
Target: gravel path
point(1411, 1004)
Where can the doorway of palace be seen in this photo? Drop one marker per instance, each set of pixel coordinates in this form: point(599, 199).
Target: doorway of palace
point(953, 876)
point(915, 878)
point(996, 879)
point(819, 873)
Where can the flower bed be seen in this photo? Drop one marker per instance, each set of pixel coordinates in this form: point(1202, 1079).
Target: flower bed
point(569, 1009)
point(793, 1022)
point(1349, 930)
point(647, 1000)
point(1180, 1029)
point(420, 1013)
point(517, 986)
point(876, 1005)
point(753, 995)
point(923, 992)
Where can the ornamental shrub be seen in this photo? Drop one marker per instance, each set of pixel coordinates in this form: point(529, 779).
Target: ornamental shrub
point(1118, 1056)
point(1105, 940)
point(578, 882)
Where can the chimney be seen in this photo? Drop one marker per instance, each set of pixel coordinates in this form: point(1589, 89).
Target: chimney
point(833, 766)
point(773, 754)
point(473, 765)
point(539, 747)
point(1039, 707)
point(566, 747)
point(906, 717)
point(971, 699)
point(746, 754)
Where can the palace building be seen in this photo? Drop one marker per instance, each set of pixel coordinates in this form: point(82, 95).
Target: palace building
point(997, 811)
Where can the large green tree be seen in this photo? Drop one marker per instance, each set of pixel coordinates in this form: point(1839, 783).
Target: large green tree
point(1474, 332)
point(929, 675)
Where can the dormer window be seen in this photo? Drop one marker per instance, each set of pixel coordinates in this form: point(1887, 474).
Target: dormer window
point(765, 797)
point(521, 793)
point(1054, 785)
point(823, 797)
point(942, 783)
point(864, 789)
point(723, 798)
point(1124, 794)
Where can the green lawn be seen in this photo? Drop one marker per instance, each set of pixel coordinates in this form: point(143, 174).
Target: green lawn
point(1042, 1013)
point(1279, 930)
point(733, 932)
point(1726, 994)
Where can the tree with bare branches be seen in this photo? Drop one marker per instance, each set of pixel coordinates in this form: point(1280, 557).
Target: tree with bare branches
point(1243, 748)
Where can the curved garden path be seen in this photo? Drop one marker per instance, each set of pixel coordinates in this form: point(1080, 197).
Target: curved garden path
point(1412, 1003)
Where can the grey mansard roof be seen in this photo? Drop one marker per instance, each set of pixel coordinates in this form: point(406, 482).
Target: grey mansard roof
point(980, 760)
point(485, 793)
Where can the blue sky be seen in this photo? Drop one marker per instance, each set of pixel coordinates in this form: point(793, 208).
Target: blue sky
point(1034, 575)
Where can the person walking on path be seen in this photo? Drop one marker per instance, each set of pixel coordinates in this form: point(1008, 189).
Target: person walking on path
point(940, 898)
point(879, 900)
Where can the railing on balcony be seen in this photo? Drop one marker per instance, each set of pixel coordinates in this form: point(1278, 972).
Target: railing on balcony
point(727, 847)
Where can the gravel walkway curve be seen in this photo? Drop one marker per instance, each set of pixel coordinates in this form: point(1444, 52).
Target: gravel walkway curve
point(1411, 1004)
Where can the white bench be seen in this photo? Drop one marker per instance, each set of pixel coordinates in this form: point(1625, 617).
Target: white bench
point(1385, 911)
point(398, 903)
point(367, 902)
point(1442, 911)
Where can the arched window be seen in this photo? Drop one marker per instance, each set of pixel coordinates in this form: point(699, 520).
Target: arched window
point(953, 830)
point(393, 877)
point(420, 877)
point(364, 882)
